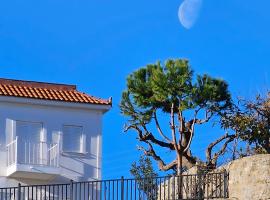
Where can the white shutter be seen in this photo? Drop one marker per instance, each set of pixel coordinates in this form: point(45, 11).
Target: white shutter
point(60, 140)
point(72, 138)
point(83, 144)
point(43, 135)
point(43, 144)
point(10, 130)
point(57, 138)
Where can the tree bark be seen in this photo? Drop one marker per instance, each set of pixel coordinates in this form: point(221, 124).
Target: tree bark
point(177, 150)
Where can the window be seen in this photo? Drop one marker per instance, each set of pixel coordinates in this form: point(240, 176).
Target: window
point(30, 132)
point(73, 139)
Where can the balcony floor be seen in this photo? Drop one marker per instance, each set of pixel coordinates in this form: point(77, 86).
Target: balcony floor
point(39, 172)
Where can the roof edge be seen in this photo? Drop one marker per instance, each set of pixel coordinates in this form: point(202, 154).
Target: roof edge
point(22, 100)
point(38, 84)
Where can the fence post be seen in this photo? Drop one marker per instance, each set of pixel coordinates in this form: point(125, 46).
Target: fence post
point(122, 188)
point(19, 191)
point(200, 186)
point(180, 184)
point(225, 183)
point(71, 189)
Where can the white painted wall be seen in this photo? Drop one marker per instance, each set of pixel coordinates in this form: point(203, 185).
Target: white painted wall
point(53, 116)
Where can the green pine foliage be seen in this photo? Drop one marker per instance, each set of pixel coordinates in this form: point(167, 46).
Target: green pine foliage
point(173, 90)
point(157, 86)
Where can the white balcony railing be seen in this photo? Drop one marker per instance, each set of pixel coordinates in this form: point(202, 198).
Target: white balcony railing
point(12, 152)
point(27, 153)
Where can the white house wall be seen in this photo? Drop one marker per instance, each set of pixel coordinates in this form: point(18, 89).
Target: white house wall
point(77, 168)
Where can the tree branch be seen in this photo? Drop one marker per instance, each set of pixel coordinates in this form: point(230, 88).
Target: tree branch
point(192, 130)
point(206, 119)
point(222, 150)
point(161, 164)
point(212, 161)
point(159, 129)
point(148, 136)
point(181, 122)
point(172, 125)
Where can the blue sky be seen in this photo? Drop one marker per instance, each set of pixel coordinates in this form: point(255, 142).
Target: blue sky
point(96, 44)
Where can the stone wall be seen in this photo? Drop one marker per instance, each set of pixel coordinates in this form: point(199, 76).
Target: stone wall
point(249, 178)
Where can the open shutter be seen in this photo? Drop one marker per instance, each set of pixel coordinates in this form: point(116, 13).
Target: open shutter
point(57, 138)
point(83, 144)
point(43, 148)
point(43, 135)
point(10, 130)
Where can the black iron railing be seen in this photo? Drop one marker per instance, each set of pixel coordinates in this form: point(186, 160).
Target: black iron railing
point(198, 186)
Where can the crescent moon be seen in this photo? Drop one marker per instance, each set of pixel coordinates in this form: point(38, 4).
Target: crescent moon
point(188, 12)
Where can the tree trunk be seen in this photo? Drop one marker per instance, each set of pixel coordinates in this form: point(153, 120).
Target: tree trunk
point(181, 177)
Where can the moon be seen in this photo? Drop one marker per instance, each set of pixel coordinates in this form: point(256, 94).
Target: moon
point(188, 12)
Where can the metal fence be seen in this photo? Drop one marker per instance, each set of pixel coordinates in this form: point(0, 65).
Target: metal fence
point(198, 186)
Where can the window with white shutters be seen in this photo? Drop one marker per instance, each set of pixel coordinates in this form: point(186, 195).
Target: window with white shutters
point(73, 139)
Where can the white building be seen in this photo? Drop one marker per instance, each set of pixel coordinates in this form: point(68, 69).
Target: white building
point(49, 133)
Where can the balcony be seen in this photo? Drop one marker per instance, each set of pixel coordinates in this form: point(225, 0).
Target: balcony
point(32, 160)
